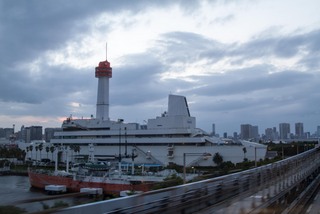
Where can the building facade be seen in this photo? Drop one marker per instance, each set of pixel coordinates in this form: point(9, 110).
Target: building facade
point(299, 133)
point(284, 130)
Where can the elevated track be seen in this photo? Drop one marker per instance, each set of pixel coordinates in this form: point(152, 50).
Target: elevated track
point(274, 188)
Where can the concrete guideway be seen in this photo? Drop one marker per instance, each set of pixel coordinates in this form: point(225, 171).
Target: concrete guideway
point(314, 207)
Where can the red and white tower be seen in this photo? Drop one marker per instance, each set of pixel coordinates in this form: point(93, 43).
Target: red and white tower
point(103, 73)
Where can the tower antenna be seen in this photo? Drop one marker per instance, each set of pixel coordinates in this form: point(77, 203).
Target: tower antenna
point(106, 50)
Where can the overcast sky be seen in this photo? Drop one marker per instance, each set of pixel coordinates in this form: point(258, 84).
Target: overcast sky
point(237, 62)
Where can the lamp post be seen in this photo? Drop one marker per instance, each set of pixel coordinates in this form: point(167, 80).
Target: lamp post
point(120, 121)
point(255, 155)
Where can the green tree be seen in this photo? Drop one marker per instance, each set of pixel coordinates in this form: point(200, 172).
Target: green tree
point(47, 150)
point(9, 209)
point(244, 149)
point(37, 148)
point(217, 159)
point(40, 149)
point(52, 151)
point(31, 148)
point(72, 150)
point(76, 149)
point(27, 149)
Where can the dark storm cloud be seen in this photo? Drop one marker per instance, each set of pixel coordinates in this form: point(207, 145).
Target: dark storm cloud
point(250, 91)
point(187, 47)
point(21, 86)
point(29, 28)
point(282, 46)
point(138, 80)
point(248, 80)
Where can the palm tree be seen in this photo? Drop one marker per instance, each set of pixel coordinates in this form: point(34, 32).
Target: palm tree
point(37, 148)
point(40, 149)
point(27, 149)
point(72, 150)
point(217, 159)
point(31, 148)
point(23, 155)
point(76, 149)
point(244, 153)
point(52, 150)
point(47, 150)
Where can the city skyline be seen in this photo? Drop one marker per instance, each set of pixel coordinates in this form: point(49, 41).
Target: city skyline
point(236, 62)
point(290, 130)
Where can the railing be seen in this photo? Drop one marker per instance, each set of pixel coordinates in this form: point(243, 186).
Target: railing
point(156, 161)
point(263, 185)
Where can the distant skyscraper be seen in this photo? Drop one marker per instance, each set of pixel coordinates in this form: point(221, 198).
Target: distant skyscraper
point(49, 133)
point(36, 133)
point(269, 134)
point(249, 132)
point(284, 129)
point(8, 132)
point(2, 133)
point(245, 131)
point(32, 133)
point(318, 131)
point(213, 129)
point(254, 132)
point(225, 135)
point(235, 135)
point(275, 133)
point(299, 130)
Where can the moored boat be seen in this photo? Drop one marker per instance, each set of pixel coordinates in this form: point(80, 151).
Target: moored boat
point(111, 183)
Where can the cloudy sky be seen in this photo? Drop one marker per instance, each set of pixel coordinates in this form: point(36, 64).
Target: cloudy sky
point(237, 62)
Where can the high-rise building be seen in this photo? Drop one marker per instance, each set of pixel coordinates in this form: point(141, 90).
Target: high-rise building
point(318, 131)
point(2, 133)
point(49, 133)
point(299, 130)
point(245, 130)
point(271, 133)
point(275, 133)
point(284, 129)
point(255, 132)
point(31, 133)
point(248, 131)
point(36, 133)
point(225, 135)
point(213, 129)
point(6, 132)
point(235, 135)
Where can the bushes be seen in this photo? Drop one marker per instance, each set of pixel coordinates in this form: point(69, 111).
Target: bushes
point(170, 181)
point(11, 210)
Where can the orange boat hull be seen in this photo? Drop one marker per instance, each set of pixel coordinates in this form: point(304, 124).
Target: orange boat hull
point(39, 180)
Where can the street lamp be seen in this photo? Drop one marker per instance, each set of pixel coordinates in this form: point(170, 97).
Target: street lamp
point(120, 121)
point(255, 154)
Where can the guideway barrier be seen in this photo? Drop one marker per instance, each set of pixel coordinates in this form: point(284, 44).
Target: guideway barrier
point(273, 186)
